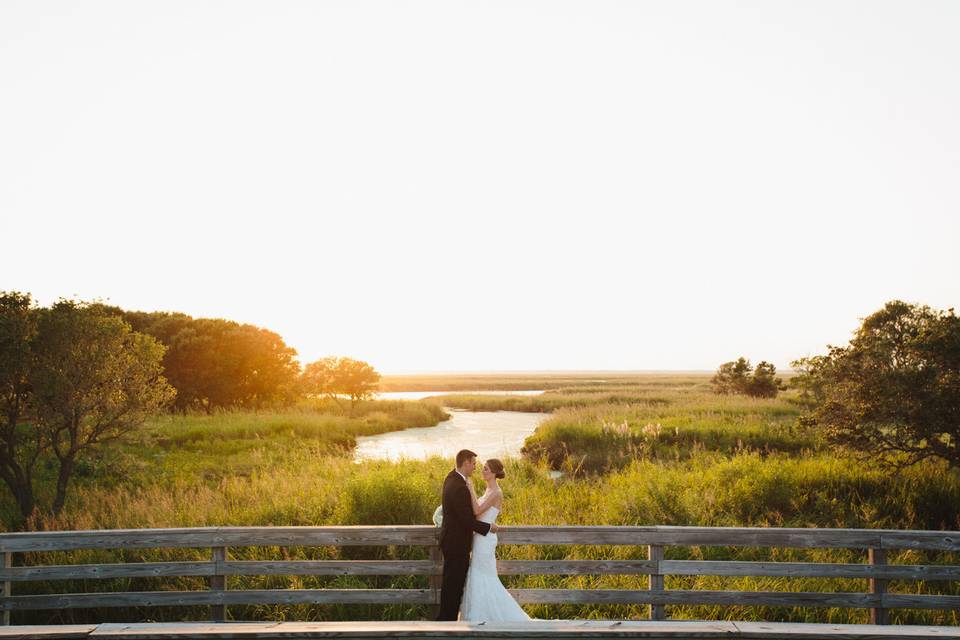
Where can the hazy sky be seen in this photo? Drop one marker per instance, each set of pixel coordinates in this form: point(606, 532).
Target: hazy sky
point(488, 185)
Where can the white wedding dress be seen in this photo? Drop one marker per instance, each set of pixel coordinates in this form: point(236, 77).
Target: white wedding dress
point(485, 599)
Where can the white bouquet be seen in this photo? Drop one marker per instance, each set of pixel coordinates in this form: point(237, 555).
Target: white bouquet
point(438, 516)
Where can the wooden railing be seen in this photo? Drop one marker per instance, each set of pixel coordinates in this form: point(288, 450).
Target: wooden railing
point(220, 540)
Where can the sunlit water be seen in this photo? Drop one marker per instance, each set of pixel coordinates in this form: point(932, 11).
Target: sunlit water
point(491, 434)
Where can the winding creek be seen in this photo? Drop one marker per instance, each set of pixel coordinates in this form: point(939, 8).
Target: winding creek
point(488, 433)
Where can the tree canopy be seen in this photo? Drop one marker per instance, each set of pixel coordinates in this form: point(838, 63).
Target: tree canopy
point(739, 377)
point(333, 376)
point(73, 377)
point(20, 442)
point(94, 380)
point(894, 390)
point(215, 363)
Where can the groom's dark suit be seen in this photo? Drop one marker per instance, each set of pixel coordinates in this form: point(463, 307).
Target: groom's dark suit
point(456, 538)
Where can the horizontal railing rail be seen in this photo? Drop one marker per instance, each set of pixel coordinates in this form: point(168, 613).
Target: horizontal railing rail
point(219, 540)
point(423, 535)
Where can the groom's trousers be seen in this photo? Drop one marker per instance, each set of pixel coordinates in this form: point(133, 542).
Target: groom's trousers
point(451, 589)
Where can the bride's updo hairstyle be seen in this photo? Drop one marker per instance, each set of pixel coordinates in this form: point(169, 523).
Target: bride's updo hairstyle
point(496, 467)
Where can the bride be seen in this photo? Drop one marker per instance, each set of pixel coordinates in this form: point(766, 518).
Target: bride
point(484, 596)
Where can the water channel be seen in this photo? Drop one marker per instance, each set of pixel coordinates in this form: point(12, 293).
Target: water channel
point(491, 434)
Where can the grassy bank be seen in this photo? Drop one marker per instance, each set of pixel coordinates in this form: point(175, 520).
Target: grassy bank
point(546, 402)
point(598, 427)
point(176, 456)
point(604, 436)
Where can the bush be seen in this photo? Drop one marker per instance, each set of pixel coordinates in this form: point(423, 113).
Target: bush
point(384, 493)
point(739, 376)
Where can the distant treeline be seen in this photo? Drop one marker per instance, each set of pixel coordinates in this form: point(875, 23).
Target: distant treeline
point(214, 363)
point(222, 364)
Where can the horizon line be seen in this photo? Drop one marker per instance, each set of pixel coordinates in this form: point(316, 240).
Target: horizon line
point(545, 371)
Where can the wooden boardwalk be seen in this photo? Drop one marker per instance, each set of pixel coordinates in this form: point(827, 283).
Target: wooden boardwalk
point(23, 556)
point(597, 629)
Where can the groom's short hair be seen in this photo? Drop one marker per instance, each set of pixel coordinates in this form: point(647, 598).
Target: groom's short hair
point(463, 455)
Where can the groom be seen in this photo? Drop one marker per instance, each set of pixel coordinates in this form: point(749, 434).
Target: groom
point(456, 533)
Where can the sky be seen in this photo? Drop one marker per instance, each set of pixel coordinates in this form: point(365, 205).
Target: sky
point(460, 186)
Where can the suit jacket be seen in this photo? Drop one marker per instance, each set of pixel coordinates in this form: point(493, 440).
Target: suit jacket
point(459, 523)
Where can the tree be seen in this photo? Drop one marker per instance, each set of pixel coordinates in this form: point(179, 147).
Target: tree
point(894, 390)
point(807, 380)
point(215, 363)
point(333, 376)
point(739, 377)
point(356, 379)
point(732, 377)
point(320, 378)
point(263, 369)
point(93, 380)
point(765, 383)
point(21, 443)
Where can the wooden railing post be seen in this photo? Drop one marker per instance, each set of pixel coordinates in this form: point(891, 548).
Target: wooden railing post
point(655, 554)
point(878, 615)
point(218, 582)
point(436, 580)
point(7, 585)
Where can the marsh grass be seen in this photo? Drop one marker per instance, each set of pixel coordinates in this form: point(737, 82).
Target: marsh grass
point(601, 436)
point(322, 421)
point(715, 461)
point(545, 403)
point(573, 381)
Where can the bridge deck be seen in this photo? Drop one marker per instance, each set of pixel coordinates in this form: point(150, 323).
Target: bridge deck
point(603, 629)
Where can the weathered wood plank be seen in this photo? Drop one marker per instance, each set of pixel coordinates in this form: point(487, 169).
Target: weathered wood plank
point(191, 598)
point(918, 601)
point(218, 583)
point(516, 630)
point(809, 570)
point(427, 535)
point(230, 567)
point(505, 567)
point(7, 584)
point(811, 631)
point(107, 539)
point(330, 568)
point(436, 580)
point(689, 536)
point(743, 598)
point(933, 540)
point(47, 632)
point(420, 629)
point(575, 567)
point(425, 596)
point(655, 556)
point(412, 535)
point(878, 557)
point(677, 596)
point(415, 535)
point(111, 570)
point(731, 536)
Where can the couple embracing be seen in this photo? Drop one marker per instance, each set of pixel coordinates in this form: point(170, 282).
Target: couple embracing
point(470, 581)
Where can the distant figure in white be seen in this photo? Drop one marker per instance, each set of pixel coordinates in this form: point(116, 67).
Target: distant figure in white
point(485, 599)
